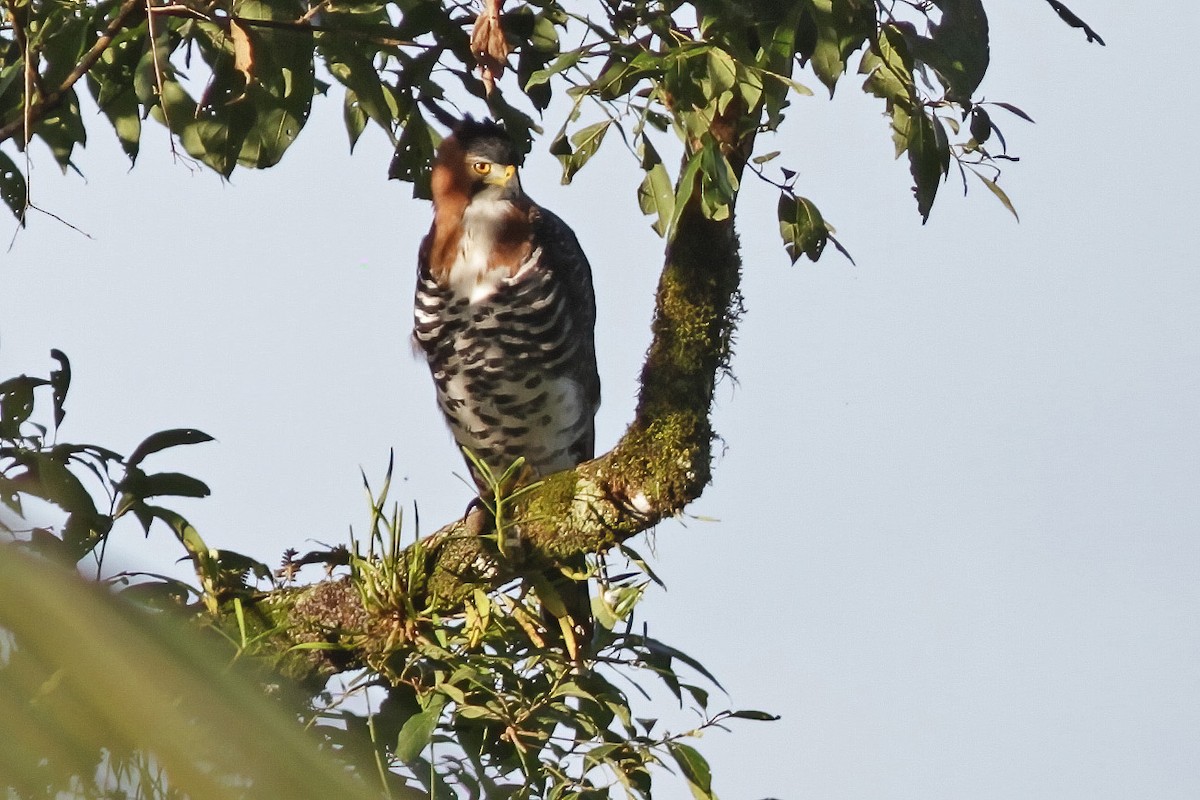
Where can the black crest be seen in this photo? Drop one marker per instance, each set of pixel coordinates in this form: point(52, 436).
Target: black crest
point(486, 138)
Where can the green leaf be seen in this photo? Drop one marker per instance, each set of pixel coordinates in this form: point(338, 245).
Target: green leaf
point(958, 47)
point(802, 227)
point(111, 82)
point(761, 716)
point(641, 563)
point(413, 158)
point(357, 73)
point(60, 380)
point(1069, 17)
point(416, 734)
point(662, 649)
point(47, 477)
point(657, 196)
point(981, 125)
point(173, 484)
point(125, 679)
point(1000, 193)
point(9, 73)
point(794, 85)
point(257, 98)
point(13, 190)
point(164, 439)
point(585, 142)
point(62, 38)
point(62, 129)
point(620, 77)
point(477, 712)
point(720, 183)
point(889, 68)
point(16, 403)
point(544, 37)
point(685, 190)
point(240, 564)
point(1014, 110)
point(354, 116)
point(694, 768)
point(842, 26)
point(189, 537)
point(699, 696)
point(127, 124)
point(560, 64)
point(928, 157)
point(722, 71)
point(749, 85)
point(162, 593)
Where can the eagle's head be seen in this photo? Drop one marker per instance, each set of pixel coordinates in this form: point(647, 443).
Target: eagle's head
point(482, 220)
point(477, 159)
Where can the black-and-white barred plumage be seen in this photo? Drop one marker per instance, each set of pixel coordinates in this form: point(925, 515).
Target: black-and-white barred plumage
point(514, 361)
point(505, 312)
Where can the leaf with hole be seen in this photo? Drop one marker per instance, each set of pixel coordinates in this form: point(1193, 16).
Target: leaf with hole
point(16, 403)
point(13, 189)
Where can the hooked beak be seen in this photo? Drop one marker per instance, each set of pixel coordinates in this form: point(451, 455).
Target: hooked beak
point(501, 178)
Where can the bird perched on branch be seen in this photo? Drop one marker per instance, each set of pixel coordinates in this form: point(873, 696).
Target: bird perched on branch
point(504, 314)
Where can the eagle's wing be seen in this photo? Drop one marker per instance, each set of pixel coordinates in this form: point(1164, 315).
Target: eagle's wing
point(562, 255)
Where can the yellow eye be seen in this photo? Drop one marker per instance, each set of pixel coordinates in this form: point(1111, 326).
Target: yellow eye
point(481, 167)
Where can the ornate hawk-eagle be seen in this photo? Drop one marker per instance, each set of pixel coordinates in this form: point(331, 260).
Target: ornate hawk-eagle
point(505, 312)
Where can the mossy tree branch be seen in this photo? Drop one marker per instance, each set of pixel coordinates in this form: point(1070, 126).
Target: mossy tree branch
point(660, 465)
point(719, 83)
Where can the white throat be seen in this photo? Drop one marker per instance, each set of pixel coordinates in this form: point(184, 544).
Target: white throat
point(470, 276)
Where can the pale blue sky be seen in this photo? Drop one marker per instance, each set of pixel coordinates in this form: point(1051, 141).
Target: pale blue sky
point(958, 506)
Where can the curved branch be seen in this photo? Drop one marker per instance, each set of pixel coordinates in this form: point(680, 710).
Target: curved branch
point(660, 464)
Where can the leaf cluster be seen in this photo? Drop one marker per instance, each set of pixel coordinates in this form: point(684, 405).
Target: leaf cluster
point(489, 700)
point(103, 699)
point(479, 699)
point(234, 81)
point(484, 702)
point(91, 486)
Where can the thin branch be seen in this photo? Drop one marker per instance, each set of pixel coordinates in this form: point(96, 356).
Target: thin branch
point(301, 25)
point(158, 78)
point(317, 8)
point(57, 218)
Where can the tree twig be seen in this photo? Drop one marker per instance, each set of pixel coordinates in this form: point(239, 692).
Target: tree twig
point(301, 25)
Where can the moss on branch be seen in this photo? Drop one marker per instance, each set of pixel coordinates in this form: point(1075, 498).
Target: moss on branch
point(661, 463)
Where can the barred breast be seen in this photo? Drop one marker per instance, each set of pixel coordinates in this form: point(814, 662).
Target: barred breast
point(513, 363)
